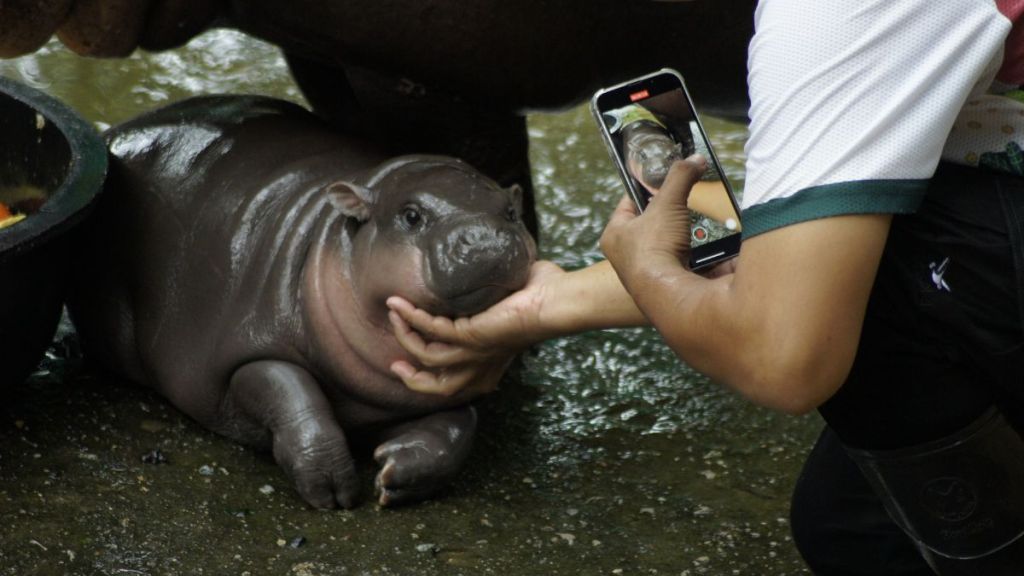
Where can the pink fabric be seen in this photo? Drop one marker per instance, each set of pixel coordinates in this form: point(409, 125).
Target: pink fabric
point(1012, 71)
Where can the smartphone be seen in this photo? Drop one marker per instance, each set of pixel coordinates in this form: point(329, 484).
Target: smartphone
point(649, 122)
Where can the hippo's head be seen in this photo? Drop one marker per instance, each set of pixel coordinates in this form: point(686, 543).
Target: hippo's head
point(436, 231)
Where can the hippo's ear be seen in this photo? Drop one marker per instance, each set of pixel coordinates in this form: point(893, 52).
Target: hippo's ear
point(515, 192)
point(355, 199)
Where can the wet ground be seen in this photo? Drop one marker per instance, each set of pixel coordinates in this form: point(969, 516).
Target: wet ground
point(601, 454)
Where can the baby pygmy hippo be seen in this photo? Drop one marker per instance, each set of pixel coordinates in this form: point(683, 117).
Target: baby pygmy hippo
point(239, 263)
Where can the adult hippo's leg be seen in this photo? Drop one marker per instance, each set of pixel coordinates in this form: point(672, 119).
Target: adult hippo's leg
point(420, 456)
point(280, 404)
point(413, 117)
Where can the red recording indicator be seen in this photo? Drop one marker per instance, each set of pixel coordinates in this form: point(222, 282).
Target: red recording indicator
point(639, 95)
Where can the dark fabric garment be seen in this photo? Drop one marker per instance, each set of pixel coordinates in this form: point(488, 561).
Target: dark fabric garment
point(840, 526)
point(942, 342)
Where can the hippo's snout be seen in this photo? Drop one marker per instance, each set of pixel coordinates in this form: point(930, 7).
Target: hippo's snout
point(478, 263)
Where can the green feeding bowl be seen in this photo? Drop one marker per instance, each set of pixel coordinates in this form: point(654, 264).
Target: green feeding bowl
point(52, 166)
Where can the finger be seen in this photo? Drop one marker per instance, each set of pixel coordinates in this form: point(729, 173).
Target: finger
point(624, 211)
point(681, 177)
point(723, 269)
point(427, 382)
point(430, 354)
point(437, 328)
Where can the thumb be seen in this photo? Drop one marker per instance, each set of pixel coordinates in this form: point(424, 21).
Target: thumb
point(680, 180)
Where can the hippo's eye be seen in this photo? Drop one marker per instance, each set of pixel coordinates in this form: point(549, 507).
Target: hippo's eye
point(512, 214)
point(411, 217)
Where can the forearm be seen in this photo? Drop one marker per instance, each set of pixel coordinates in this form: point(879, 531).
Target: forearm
point(591, 298)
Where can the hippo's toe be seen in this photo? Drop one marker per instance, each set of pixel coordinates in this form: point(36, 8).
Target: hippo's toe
point(420, 457)
point(406, 477)
point(319, 464)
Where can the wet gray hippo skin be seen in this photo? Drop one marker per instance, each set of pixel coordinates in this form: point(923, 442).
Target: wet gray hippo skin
point(239, 263)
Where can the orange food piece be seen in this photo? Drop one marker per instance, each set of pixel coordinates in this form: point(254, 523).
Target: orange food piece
point(5, 212)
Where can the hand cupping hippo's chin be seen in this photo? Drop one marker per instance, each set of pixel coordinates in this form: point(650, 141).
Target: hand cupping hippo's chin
point(239, 263)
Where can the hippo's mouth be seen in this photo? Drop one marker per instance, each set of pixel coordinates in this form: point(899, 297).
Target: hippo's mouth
point(473, 301)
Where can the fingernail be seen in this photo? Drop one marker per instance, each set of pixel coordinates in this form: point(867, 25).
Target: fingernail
point(402, 370)
point(698, 159)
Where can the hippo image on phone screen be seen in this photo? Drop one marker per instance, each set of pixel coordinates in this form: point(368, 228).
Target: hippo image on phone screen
point(239, 263)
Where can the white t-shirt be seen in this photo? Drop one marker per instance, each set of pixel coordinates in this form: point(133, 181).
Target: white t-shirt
point(854, 103)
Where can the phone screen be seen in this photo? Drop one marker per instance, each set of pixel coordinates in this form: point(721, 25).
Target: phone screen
point(650, 122)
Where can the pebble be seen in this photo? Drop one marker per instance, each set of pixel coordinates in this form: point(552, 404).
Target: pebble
point(206, 470)
point(297, 542)
point(155, 456)
point(266, 489)
point(427, 547)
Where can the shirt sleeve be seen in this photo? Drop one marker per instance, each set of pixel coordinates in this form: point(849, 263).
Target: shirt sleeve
point(851, 102)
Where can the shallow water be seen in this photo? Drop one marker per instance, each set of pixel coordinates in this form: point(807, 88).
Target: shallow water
point(602, 453)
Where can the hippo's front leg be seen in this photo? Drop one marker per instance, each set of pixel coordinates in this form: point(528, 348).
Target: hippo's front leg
point(284, 400)
point(419, 457)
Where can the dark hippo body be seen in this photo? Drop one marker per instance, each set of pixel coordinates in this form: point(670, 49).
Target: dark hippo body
point(239, 264)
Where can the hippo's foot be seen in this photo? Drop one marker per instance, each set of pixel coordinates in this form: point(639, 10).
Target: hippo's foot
point(422, 456)
point(283, 400)
point(315, 456)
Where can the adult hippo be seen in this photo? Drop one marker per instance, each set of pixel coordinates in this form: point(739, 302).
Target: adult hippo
point(239, 263)
point(429, 75)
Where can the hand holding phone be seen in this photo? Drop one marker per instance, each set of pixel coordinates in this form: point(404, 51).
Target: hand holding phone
point(647, 124)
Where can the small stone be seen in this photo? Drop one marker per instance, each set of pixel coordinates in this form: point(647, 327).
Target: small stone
point(297, 542)
point(206, 470)
point(281, 542)
point(266, 489)
point(155, 456)
point(427, 547)
point(702, 511)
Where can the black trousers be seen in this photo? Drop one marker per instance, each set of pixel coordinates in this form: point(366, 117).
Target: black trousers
point(942, 342)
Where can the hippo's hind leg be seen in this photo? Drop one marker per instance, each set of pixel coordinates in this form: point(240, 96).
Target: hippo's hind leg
point(282, 403)
point(421, 456)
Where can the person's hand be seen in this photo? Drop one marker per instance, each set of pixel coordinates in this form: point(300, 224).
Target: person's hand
point(469, 354)
point(636, 244)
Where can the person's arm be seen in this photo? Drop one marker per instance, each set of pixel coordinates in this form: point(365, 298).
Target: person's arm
point(783, 328)
point(459, 353)
point(832, 153)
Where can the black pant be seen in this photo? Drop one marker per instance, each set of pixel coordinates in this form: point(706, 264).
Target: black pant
point(942, 342)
